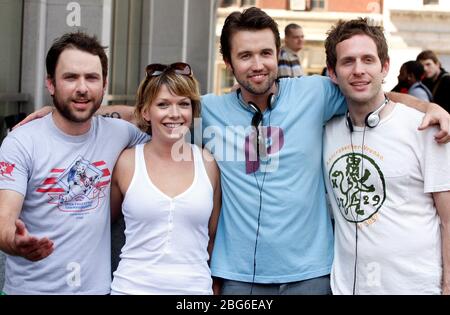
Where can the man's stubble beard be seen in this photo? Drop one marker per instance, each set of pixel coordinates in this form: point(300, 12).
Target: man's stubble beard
point(246, 85)
point(64, 109)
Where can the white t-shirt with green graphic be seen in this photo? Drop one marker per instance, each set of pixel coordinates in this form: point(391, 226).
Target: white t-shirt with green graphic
point(384, 189)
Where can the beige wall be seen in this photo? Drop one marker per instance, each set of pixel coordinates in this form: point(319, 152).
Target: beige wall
point(411, 31)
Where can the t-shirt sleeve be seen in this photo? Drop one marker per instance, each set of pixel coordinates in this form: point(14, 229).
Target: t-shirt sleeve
point(434, 163)
point(15, 165)
point(136, 136)
point(335, 103)
point(206, 112)
point(420, 94)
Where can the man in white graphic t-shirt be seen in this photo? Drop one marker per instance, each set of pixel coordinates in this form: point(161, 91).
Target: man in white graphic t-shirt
point(388, 183)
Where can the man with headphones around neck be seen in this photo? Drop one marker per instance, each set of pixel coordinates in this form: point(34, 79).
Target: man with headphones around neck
point(274, 234)
point(389, 183)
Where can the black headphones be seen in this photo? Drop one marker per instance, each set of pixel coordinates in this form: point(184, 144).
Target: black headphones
point(372, 119)
point(256, 122)
point(257, 118)
point(271, 100)
point(271, 103)
point(257, 113)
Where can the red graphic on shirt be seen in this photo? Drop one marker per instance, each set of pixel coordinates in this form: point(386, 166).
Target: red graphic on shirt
point(79, 188)
point(6, 169)
point(263, 149)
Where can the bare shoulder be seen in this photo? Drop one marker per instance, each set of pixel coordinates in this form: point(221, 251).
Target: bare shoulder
point(125, 162)
point(208, 158)
point(124, 170)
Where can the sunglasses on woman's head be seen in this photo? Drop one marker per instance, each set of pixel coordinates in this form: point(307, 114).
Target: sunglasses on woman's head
point(155, 69)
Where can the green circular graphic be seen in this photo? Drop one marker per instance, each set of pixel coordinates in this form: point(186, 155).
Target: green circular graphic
point(358, 186)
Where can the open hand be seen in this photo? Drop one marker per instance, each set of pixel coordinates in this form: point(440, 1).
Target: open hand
point(438, 116)
point(31, 247)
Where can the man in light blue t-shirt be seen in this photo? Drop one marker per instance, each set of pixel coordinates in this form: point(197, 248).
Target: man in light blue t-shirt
point(274, 234)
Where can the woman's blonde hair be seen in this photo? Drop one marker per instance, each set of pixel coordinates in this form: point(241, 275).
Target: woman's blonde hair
point(178, 84)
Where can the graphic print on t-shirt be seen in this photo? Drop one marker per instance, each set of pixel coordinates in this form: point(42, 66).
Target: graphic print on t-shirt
point(79, 188)
point(6, 170)
point(263, 151)
point(358, 186)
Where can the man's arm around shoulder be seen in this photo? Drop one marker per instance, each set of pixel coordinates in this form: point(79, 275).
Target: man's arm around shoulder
point(114, 111)
point(434, 114)
point(124, 112)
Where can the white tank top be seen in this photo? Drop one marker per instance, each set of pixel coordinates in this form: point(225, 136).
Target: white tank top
point(166, 238)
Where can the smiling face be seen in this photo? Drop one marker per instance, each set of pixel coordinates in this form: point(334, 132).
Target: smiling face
point(77, 87)
point(170, 116)
point(359, 72)
point(254, 62)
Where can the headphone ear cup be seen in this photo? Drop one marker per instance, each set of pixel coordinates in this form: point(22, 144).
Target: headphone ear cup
point(254, 107)
point(372, 120)
point(270, 101)
point(257, 114)
point(257, 119)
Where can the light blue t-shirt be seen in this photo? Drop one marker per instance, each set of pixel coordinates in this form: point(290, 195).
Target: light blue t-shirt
point(295, 239)
point(419, 90)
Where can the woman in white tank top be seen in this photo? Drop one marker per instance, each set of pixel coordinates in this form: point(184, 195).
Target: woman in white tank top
point(168, 191)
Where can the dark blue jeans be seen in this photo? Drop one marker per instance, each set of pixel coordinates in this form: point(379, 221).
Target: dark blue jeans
point(315, 286)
